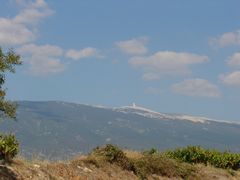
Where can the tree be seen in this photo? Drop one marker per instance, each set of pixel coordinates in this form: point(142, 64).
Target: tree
point(9, 145)
point(8, 61)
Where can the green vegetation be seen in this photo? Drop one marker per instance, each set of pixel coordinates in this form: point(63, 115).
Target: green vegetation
point(110, 162)
point(7, 63)
point(113, 154)
point(8, 147)
point(176, 163)
point(147, 163)
point(196, 154)
point(8, 143)
point(159, 164)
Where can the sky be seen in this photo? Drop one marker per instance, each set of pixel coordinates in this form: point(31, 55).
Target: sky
point(169, 56)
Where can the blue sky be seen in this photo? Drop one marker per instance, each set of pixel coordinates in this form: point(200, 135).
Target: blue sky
point(170, 56)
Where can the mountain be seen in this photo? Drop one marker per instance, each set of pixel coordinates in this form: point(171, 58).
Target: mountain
point(59, 130)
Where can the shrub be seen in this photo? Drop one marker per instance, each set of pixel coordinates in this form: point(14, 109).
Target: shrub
point(191, 154)
point(159, 164)
point(114, 155)
point(196, 154)
point(9, 147)
point(147, 163)
point(151, 151)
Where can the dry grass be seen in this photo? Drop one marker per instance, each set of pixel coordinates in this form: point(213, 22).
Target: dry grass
point(133, 154)
point(96, 166)
point(210, 172)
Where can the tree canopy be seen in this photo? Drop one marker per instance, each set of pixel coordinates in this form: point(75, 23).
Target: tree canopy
point(8, 61)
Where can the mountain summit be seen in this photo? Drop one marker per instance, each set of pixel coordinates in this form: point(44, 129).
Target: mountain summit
point(57, 130)
point(166, 116)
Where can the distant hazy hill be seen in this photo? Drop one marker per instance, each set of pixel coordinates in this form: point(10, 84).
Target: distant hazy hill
point(58, 129)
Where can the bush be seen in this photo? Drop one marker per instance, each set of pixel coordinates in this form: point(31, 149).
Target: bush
point(114, 155)
point(9, 147)
point(148, 163)
point(191, 154)
point(196, 154)
point(159, 164)
point(151, 151)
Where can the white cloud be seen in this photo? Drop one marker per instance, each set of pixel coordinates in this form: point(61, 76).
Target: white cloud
point(43, 60)
point(21, 29)
point(83, 53)
point(32, 16)
point(40, 4)
point(33, 13)
point(226, 39)
point(196, 88)
point(31, 3)
point(166, 63)
point(234, 61)
point(43, 65)
point(12, 33)
point(150, 76)
point(48, 50)
point(231, 79)
point(133, 46)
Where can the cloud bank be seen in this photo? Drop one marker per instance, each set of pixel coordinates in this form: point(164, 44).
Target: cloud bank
point(165, 63)
point(133, 46)
point(83, 53)
point(43, 60)
point(226, 39)
point(231, 79)
point(21, 29)
point(234, 60)
point(196, 88)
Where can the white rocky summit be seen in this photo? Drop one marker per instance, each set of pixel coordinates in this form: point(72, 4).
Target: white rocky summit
point(153, 114)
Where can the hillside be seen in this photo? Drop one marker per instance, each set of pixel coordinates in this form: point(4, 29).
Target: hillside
point(60, 130)
point(82, 170)
point(112, 163)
